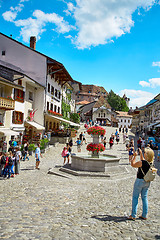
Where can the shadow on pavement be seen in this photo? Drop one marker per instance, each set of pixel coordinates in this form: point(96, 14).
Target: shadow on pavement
point(110, 218)
point(26, 169)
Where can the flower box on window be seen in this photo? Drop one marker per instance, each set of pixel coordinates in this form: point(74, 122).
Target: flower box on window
point(54, 113)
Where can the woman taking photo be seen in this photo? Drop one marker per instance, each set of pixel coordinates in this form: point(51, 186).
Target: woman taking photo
point(140, 186)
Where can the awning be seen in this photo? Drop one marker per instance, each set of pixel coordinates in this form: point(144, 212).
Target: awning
point(20, 129)
point(157, 125)
point(64, 120)
point(36, 125)
point(8, 132)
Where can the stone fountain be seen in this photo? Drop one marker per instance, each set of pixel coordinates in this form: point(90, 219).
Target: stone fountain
point(95, 162)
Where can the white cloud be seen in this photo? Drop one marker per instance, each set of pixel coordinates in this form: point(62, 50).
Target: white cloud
point(70, 8)
point(156, 64)
point(144, 84)
point(36, 25)
point(137, 97)
point(153, 83)
point(99, 21)
point(12, 13)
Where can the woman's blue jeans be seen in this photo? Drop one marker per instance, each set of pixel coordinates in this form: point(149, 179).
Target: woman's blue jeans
point(140, 187)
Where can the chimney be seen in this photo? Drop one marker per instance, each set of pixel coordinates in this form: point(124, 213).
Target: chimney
point(33, 42)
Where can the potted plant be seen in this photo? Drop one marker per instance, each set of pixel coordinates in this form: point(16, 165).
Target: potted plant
point(31, 148)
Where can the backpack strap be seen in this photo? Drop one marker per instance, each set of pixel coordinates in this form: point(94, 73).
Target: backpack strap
point(150, 164)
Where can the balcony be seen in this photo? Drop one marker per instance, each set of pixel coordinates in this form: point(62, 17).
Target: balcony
point(7, 104)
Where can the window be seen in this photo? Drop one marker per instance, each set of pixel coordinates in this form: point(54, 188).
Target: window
point(55, 92)
point(104, 114)
point(52, 90)
point(20, 82)
point(31, 96)
point(50, 125)
point(18, 95)
point(55, 108)
point(47, 105)
point(99, 115)
point(59, 95)
point(17, 117)
point(121, 120)
point(125, 120)
point(52, 106)
point(3, 53)
point(49, 87)
point(1, 119)
point(58, 109)
point(128, 121)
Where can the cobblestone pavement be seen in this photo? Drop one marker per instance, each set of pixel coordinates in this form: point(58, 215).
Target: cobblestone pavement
point(36, 205)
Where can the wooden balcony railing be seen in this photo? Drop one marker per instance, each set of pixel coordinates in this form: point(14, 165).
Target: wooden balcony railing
point(7, 104)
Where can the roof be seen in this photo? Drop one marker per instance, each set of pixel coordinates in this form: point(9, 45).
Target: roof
point(93, 89)
point(113, 119)
point(102, 102)
point(82, 102)
point(57, 68)
point(123, 114)
point(151, 101)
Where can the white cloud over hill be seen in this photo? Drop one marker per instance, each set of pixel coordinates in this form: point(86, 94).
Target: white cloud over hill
point(137, 97)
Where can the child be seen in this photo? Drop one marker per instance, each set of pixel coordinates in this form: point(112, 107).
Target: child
point(78, 145)
point(64, 154)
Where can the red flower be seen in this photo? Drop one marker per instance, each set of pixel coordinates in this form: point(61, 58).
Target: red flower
point(91, 147)
point(96, 130)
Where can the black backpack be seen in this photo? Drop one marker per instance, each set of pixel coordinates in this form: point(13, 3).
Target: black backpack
point(3, 160)
point(10, 161)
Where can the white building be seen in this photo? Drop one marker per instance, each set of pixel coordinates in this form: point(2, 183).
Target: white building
point(124, 119)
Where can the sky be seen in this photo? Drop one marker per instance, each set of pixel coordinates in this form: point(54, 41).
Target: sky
point(109, 43)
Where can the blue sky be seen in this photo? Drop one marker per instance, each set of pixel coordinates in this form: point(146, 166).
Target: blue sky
point(110, 43)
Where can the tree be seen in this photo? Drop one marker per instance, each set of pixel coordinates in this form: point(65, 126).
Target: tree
point(116, 102)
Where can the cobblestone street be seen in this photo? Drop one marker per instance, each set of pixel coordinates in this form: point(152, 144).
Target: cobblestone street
point(37, 205)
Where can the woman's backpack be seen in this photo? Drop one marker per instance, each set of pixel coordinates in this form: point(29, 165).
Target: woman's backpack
point(150, 175)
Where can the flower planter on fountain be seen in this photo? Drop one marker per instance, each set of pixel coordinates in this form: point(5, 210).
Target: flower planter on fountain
point(95, 162)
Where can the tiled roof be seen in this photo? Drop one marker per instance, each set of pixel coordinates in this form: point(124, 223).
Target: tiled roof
point(114, 119)
point(93, 89)
point(102, 102)
point(82, 102)
point(123, 114)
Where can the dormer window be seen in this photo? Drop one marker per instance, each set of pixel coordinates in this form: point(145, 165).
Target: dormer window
point(3, 53)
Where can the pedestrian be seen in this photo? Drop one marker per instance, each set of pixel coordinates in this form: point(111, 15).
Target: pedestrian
point(26, 154)
point(70, 143)
point(130, 152)
point(117, 138)
point(13, 165)
point(64, 154)
point(81, 137)
point(38, 155)
point(116, 133)
point(104, 142)
point(111, 142)
point(102, 136)
point(143, 143)
point(17, 160)
point(7, 167)
point(139, 143)
point(69, 149)
point(140, 186)
point(78, 145)
point(84, 138)
point(2, 163)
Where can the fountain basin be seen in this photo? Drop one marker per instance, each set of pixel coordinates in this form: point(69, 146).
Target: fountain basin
point(94, 164)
